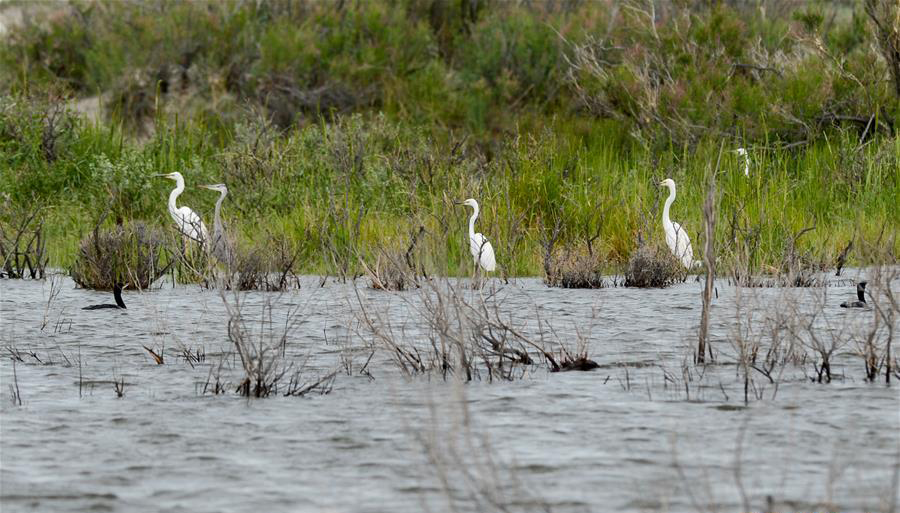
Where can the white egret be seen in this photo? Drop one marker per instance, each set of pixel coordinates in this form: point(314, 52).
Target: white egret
point(221, 246)
point(860, 295)
point(742, 152)
point(187, 221)
point(481, 248)
point(676, 236)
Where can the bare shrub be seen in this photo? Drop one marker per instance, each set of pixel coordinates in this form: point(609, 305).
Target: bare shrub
point(653, 266)
point(268, 265)
point(798, 268)
point(575, 268)
point(458, 338)
point(393, 269)
point(132, 255)
point(23, 247)
point(341, 246)
point(261, 346)
point(465, 336)
point(812, 329)
point(874, 343)
point(573, 358)
point(763, 345)
point(389, 272)
point(40, 122)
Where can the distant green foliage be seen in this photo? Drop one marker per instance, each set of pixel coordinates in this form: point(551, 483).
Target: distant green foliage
point(342, 125)
point(700, 71)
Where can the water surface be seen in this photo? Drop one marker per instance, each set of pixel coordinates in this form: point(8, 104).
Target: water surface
point(623, 437)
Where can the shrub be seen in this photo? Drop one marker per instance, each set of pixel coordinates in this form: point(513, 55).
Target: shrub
point(575, 269)
point(22, 245)
point(268, 265)
point(653, 266)
point(132, 255)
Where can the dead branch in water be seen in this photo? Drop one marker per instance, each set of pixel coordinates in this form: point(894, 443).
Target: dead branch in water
point(709, 259)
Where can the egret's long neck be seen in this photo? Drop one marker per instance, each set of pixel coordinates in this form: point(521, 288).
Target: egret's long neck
point(669, 202)
point(746, 165)
point(219, 210)
point(472, 223)
point(179, 188)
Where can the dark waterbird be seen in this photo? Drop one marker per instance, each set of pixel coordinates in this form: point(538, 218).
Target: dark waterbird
point(860, 294)
point(117, 293)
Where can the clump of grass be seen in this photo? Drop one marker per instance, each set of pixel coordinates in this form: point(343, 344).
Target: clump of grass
point(269, 266)
point(132, 255)
point(575, 268)
point(653, 266)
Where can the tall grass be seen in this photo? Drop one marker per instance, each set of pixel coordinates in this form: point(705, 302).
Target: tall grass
point(347, 126)
point(340, 188)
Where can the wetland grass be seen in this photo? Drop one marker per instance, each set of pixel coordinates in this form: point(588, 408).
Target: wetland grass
point(340, 150)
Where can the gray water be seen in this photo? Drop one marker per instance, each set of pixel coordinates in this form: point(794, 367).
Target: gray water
point(619, 438)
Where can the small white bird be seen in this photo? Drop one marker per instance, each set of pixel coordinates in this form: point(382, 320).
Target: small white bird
point(743, 153)
point(481, 248)
point(676, 237)
point(186, 220)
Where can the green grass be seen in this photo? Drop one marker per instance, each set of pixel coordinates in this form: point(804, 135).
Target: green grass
point(312, 183)
point(345, 129)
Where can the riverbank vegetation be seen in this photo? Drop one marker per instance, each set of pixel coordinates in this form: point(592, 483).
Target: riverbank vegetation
point(347, 128)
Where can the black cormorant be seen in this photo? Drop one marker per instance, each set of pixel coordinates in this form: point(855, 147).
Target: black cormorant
point(117, 293)
point(860, 294)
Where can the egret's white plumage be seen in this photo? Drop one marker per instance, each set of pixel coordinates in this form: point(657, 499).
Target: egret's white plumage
point(480, 247)
point(220, 245)
point(676, 237)
point(186, 220)
point(742, 152)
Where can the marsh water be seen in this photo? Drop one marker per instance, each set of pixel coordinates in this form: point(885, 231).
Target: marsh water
point(638, 434)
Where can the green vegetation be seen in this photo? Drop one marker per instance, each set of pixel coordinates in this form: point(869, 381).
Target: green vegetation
point(346, 126)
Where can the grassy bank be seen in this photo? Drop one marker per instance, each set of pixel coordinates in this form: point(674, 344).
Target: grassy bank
point(366, 183)
point(347, 128)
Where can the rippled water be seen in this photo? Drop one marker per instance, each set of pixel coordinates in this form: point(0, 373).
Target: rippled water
point(621, 438)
